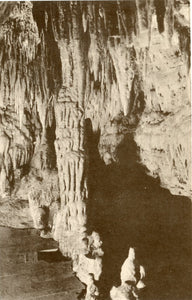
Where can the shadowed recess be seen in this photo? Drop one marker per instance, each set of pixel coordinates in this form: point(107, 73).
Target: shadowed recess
point(129, 208)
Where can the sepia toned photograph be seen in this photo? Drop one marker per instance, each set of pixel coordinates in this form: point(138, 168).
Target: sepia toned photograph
point(95, 150)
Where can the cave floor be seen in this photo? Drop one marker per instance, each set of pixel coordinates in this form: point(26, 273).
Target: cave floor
point(23, 273)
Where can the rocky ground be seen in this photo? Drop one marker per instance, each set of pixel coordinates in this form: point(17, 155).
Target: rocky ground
point(26, 275)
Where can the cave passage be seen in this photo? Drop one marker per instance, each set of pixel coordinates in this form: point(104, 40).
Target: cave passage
point(129, 208)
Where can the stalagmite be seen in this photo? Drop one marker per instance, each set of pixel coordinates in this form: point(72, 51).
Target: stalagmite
point(131, 271)
point(132, 275)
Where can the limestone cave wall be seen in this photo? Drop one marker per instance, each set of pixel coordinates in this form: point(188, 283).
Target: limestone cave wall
point(62, 63)
point(72, 72)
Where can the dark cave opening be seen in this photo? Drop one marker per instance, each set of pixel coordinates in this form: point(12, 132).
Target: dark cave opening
point(129, 208)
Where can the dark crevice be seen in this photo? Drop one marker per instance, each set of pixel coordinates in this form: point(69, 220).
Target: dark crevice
point(160, 11)
point(50, 137)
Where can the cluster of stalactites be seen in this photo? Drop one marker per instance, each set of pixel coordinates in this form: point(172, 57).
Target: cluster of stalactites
point(26, 77)
point(107, 31)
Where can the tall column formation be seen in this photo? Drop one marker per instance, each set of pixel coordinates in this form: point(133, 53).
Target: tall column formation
point(70, 141)
point(71, 227)
point(71, 162)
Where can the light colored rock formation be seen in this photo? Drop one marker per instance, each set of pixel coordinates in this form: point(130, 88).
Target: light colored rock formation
point(124, 68)
point(6, 10)
point(88, 264)
point(163, 134)
point(123, 292)
point(132, 275)
point(43, 195)
point(70, 140)
point(92, 290)
point(15, 213)
point(132, 271)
